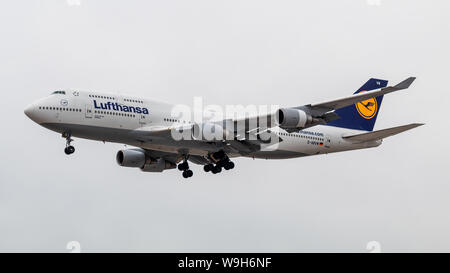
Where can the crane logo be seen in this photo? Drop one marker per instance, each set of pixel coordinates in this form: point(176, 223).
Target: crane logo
point(367, 108)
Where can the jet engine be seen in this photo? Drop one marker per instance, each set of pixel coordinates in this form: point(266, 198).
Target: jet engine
point(293, 118)
point(136, 158)
point(131, 158)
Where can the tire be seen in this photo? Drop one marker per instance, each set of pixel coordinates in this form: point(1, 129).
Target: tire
point(185, 174)
point(216, 169)
point(207, 168)
point(66, 151)
point(183, 166)
point(221, 163)
point(230, 165)
point(190, 173)
point(71, 149)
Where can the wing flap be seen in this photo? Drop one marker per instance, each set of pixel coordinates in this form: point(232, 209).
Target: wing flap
point(380, 134)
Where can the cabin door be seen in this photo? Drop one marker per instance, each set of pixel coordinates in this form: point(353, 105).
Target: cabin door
point(88, 111)
point(143, 120)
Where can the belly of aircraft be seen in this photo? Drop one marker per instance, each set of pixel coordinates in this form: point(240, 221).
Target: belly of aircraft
point(194, 148)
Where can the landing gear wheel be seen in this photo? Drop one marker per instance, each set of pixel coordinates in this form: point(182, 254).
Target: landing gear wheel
point(216, 169)
point(187, 173)
point(208, 167)
point(183, 166)
point(69, 150)
point(230, 165)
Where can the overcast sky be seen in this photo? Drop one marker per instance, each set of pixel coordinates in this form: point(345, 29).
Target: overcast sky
point(227, 52)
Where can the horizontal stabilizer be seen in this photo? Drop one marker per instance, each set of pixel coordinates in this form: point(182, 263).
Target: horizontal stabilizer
point(380, 134)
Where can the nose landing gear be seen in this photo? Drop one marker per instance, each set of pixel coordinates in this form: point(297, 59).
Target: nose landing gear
point(69, 148)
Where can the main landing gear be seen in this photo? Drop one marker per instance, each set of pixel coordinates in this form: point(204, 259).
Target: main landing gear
point(69, 148)
point(224, 162)
point(184, 167)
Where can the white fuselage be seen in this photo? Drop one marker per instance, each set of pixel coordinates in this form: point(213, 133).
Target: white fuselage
point(125, 118)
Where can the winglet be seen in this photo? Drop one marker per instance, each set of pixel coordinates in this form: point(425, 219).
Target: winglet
point(405, 84)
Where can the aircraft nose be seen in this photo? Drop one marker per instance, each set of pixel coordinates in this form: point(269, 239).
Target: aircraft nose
point(30, 111)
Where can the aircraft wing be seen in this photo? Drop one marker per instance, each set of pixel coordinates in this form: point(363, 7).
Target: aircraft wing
point(248, 128)
point(153, 131)
point(249, 133)
point(319, 109)
point(158, 131)
point(171, 157)
point(241, 141)
point(380, 134)
point(175, 158)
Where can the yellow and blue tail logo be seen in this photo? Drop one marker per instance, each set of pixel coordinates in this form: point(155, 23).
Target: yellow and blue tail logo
point(362, 115)
point(368, 108)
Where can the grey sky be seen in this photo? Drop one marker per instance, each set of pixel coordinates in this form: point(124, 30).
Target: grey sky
point(229, 52)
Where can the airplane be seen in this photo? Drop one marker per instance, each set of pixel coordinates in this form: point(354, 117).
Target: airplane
point(332, 126)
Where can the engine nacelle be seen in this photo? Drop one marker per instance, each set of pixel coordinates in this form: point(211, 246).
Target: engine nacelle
point(210, 131)
point(293, 118)
point(136, 158)
point(131, 158)
point(158, 165)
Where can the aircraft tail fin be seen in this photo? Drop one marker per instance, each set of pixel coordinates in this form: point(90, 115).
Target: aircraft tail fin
point(362, 115)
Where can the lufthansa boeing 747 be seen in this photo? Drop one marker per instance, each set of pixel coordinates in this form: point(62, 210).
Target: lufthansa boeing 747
point(164, 140)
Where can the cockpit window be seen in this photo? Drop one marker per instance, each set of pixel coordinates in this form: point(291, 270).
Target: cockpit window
point(59, 92)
